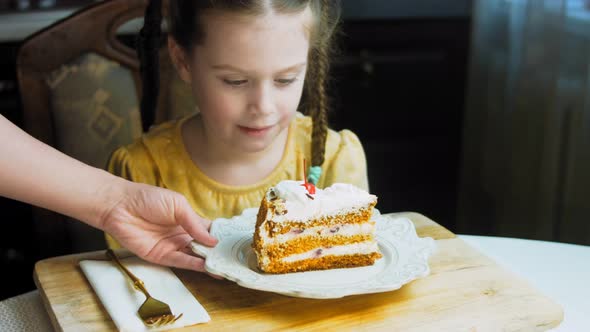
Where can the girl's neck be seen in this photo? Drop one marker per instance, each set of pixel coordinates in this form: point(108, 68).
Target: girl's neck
point(226, 164)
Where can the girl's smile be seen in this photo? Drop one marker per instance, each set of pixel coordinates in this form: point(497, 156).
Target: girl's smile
point(256, 131)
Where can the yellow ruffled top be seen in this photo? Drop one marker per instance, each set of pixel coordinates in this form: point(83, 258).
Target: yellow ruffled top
point(160, 158)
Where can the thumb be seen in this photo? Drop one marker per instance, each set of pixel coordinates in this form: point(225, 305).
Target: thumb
point(195, 225)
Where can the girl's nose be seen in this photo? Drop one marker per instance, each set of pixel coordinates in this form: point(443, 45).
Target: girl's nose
point(262, 99)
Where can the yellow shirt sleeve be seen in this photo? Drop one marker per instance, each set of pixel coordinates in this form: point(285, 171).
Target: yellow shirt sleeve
point(348, 163)
point(131, 168)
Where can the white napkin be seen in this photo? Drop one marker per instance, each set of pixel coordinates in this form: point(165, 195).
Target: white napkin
point(121, 299)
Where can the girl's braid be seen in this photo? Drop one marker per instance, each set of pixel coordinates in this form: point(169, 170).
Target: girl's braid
point(316, 91)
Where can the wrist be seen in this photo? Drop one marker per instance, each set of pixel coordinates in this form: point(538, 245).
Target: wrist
point(111, 191)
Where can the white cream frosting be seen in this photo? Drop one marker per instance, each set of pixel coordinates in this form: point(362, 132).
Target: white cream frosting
point(360, 248)
point(338, 198)
point(341, 230)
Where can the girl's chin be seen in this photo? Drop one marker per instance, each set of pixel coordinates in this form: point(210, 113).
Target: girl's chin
point(255, 143)
point(253, 147)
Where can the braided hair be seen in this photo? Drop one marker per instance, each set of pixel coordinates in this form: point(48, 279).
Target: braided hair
point(187, 32)
point(316, 84)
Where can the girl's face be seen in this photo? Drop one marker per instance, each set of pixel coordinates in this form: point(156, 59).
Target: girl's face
point(247, 75)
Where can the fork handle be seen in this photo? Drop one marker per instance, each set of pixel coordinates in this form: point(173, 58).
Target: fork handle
point(136, 281)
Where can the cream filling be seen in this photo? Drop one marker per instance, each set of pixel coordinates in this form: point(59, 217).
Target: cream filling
point(340, 230)
point(360, 248)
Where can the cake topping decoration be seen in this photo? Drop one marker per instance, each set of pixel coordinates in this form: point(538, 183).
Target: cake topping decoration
point(272, 195)
point(308, 185)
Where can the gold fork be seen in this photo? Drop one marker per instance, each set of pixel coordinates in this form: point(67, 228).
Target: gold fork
point(153, 312)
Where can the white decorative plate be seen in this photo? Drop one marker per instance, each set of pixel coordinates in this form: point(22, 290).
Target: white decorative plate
point(405, 258)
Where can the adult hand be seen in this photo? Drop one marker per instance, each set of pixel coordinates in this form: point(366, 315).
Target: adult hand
point(154, 223)
point(157, 225)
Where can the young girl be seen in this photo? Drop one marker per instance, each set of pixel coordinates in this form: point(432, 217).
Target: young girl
point(248, 64)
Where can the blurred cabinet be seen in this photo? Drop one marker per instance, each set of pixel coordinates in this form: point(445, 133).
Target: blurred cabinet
point(399, 84)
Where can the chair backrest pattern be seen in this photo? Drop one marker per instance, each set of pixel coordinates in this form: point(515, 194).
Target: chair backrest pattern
point(95, 108)
point(80, 88)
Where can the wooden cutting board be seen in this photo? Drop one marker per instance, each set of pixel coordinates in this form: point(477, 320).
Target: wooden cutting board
point(465, 291)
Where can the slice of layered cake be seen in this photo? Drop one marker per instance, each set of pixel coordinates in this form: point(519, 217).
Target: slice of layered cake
point(302, 228)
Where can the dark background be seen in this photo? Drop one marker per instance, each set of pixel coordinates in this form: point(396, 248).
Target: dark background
point(398, 83)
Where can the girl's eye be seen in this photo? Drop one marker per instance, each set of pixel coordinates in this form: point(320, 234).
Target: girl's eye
point(285, 81)
point(235, 82)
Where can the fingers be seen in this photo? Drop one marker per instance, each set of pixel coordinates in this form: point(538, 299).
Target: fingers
point(214, 276)
point(183, 260)
point(186, 261)
point(187, 250)
point(193, 224)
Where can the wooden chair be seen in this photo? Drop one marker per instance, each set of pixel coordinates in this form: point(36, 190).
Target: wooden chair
point(80, 90)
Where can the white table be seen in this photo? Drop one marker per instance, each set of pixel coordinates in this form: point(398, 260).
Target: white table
point(560, 271)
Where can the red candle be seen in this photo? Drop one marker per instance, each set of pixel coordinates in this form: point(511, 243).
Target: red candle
point(308, 185)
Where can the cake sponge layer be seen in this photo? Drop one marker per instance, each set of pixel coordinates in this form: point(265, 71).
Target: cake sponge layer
point(322, 263)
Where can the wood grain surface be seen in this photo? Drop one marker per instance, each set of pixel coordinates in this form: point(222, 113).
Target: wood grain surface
point(465, 291)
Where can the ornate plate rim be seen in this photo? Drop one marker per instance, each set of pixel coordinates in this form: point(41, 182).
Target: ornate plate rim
point(393, 232)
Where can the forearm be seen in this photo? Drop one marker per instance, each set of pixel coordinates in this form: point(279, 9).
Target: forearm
point(33, 172)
